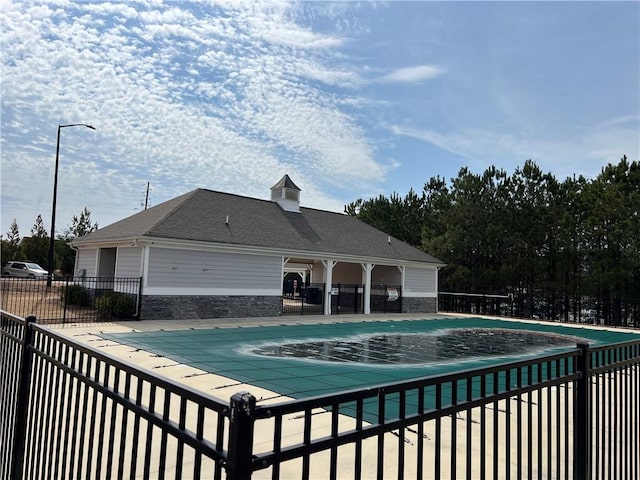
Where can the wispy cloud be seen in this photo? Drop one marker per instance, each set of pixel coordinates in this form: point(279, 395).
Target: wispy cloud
point(416, 74)
point(482, 148)
point(630, 121)
point(467, 143)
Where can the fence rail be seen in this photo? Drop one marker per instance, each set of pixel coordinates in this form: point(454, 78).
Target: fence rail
point(74, 299)
point(70, 411)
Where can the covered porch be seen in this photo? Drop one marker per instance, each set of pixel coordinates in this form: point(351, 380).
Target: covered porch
point(332, 287)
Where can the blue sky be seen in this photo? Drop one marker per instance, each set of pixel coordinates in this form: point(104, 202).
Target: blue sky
point(351, 99)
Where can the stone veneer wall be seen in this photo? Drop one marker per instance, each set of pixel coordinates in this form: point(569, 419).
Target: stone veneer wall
point(419, 305)
point(171, 307)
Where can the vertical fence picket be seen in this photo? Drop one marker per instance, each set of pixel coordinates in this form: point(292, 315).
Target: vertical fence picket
point(358, 454)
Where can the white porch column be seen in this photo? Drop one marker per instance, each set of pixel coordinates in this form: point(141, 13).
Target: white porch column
point(437, 287)
point(145, 266)
point(366, 279)
point(328, 282)
point(402, 270)
point(309, 268)
point(285, 260)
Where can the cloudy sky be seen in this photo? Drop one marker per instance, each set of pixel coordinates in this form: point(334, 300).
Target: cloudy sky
point(350, 99)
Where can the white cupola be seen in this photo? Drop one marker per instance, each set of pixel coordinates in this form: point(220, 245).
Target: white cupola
point(286, 194)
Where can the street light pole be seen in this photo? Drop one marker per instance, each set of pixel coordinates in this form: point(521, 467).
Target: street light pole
point(53, 206)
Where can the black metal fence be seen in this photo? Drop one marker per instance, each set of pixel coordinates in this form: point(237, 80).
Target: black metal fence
point(559, 416)
point(345, 299)
point(386, 299)
point(72, 412)
point(585, 310)
point(74, 299)
point(480, 304)
point(306, 300)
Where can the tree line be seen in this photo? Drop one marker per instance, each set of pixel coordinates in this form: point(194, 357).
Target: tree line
point(566, 248)
point(35, 248)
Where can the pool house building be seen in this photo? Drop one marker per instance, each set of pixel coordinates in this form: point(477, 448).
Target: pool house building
point(208, 254)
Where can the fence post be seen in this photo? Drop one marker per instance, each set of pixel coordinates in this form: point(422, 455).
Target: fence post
point(139, 299)
point(22, 401)
point(582, 418)
point(66, 299)
point(241, 428)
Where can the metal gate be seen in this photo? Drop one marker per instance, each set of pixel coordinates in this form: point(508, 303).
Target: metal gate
point(306, 300)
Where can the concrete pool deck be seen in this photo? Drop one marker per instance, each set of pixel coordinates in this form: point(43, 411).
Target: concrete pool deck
point(223, 388)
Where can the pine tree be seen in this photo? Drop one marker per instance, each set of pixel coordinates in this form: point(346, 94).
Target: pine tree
point(10, 248)
point(13, 235)
point(38, 230)
point(80, 226)
point(34, 248)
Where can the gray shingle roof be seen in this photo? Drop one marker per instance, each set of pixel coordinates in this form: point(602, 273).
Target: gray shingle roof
point(200, 216)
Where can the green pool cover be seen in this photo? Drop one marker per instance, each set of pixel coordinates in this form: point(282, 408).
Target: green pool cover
point(231, 351)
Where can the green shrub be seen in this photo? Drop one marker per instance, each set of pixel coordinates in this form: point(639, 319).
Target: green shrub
point(115, 305)
point(76, 295)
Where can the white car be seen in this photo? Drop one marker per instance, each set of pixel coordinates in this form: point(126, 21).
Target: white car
point(24, 269)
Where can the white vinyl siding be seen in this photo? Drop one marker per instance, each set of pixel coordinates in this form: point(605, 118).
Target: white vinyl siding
point(86, 260)
point(129, 262)
point(200, 271)
point(419, 282)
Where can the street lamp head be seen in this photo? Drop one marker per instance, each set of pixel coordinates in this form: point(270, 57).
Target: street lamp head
point(77, 125)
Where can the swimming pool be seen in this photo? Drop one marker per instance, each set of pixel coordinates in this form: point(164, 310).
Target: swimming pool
point(233, 352)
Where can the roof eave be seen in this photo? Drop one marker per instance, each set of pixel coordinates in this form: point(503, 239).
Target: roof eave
point(133, 240)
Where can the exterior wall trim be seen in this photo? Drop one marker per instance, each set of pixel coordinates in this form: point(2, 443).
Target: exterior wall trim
point(226, 292)
point(420, 294)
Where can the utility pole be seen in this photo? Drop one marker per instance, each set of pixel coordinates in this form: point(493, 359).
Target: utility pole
point(146, 198)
